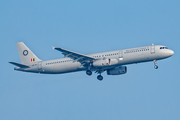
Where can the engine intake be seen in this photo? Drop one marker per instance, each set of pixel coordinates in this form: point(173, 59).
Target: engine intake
point(117, 70)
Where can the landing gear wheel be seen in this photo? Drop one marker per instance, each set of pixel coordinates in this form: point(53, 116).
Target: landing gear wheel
point(100, 77)
point(88, 72)
point(156, 67)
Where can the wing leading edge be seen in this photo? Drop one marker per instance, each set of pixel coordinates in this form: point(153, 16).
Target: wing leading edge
point(83, 59)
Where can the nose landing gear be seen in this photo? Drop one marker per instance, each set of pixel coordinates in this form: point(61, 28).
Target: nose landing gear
point(156, 67)
point(155, 64)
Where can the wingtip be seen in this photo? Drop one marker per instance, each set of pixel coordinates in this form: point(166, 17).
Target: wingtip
point(11, 62)
point(53, 47)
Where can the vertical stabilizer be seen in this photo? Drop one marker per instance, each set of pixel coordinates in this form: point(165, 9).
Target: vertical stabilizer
point(26, 55)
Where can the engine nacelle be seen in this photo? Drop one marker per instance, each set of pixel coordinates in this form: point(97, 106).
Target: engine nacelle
point(105, 62)
point(117, 70)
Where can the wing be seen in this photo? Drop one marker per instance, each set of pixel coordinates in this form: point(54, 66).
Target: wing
point(83, 59)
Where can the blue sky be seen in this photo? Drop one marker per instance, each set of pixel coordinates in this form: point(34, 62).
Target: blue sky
point(89, 27)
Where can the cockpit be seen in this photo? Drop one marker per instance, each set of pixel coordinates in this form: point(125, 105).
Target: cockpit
point(163, 48)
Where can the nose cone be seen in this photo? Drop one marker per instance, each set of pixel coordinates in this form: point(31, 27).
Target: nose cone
point(171, 52)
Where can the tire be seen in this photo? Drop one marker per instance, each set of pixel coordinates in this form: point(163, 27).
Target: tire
point(100, 77)
point(88, 72)
point(156, 67)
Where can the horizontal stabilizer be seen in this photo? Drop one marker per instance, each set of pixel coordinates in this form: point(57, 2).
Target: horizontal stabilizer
point(19, 65)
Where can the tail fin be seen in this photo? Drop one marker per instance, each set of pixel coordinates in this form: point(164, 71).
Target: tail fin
point(26, 55)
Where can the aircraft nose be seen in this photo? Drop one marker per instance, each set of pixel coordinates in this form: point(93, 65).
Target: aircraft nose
point(171, 52)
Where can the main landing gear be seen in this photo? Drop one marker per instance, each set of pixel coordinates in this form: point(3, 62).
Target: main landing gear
point(99, 77)
point(155, 64)
point(88, 72)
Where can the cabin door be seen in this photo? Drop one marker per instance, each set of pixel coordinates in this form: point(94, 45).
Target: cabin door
point(39, 65)
point(120, 55)
point(152, 49)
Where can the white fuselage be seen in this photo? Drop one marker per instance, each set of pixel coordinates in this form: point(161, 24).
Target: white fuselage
point(123, 57)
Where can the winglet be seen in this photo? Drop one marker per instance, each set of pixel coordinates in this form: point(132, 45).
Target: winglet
point(52, 47)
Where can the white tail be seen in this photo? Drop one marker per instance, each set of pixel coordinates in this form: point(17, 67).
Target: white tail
point(26, 55)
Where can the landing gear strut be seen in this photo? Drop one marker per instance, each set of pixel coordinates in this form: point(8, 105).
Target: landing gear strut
point(100, 77)
point(88, 72)
point(155, 64)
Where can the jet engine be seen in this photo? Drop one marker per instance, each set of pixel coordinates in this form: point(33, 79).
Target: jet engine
point(117, 70)
point(105, 62)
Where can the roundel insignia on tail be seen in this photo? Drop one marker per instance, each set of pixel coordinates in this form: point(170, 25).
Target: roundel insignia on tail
point(25, 52)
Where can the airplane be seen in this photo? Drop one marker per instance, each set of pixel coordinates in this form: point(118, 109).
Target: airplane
point(113, 62)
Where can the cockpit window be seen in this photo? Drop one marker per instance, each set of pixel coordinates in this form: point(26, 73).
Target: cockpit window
point(163, 48)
